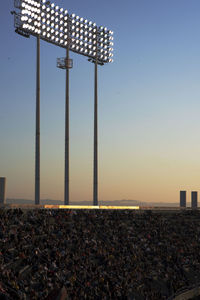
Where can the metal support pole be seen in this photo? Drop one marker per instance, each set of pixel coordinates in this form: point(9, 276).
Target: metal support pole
point(37, 140)
point(66, 196)
point(95, 186)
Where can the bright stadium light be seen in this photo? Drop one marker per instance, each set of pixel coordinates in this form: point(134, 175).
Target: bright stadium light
point(47, 12)
point(49, 22)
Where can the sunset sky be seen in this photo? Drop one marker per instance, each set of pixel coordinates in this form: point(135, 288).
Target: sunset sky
point(149, 105)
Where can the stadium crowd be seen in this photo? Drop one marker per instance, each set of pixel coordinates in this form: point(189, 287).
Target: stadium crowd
point(97, 254)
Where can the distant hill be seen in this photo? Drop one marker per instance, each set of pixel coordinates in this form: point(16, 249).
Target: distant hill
point(113, 203)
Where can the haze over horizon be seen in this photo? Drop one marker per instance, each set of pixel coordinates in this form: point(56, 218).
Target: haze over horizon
point(149, 108)
point(122, 202)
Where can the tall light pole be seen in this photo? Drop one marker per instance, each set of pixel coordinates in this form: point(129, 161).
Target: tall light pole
point(66, 63)
point(37, 138)
point(66, 192)
point(19, 18)
point(95, 175)
point(54, 25)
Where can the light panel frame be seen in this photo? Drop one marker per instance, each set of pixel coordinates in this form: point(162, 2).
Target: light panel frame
point(55, 25)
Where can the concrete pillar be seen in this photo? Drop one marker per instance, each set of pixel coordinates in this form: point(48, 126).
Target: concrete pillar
point(194, 200)
point(182, 198)
point(2, 190)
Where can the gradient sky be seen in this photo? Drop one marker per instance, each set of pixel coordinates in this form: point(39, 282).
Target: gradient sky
point(149, 108)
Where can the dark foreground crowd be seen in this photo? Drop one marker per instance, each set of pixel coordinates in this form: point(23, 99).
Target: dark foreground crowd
point(97, 254)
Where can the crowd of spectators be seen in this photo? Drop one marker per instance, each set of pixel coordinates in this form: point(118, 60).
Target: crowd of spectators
point(97, 254)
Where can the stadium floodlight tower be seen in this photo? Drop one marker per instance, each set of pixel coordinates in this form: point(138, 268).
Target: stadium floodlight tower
point(55, 25)
point(28, 21)
point(103, 41)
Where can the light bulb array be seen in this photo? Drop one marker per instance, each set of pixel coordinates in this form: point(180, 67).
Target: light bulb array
point(55, 25)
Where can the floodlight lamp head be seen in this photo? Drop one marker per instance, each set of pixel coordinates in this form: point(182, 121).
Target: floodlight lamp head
point(55, 25)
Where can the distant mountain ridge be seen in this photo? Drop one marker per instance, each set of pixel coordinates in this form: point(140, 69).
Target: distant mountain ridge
point(112, 203)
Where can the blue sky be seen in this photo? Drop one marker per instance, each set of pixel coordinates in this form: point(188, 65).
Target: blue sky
point(149, 110)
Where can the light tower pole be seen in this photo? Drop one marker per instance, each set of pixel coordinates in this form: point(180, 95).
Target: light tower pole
point(95, 175)
point(37, 137)
point(66, 63)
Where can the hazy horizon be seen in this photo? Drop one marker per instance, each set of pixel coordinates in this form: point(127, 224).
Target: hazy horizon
point(122, 202)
